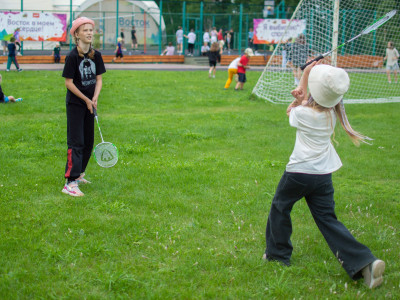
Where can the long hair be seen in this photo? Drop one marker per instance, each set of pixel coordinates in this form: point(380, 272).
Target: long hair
point(80, 51)
point(355, 136)
point(214, 47)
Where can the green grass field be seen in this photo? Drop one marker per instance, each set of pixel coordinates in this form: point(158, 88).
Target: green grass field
point(183, 213)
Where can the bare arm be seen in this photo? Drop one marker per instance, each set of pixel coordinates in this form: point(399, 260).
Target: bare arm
point(99, 85)
point(72, 87)
point(300, 93)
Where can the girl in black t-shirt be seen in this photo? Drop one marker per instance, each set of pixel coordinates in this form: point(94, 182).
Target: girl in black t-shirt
point(82, 73)
point(214, 56)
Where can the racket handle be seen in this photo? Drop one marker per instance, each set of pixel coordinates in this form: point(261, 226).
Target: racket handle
point(311, 61)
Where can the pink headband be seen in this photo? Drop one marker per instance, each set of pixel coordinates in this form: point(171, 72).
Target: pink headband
point(78, 22)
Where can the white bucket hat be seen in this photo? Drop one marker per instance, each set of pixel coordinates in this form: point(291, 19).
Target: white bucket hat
point(328, 84)
point(249, 52)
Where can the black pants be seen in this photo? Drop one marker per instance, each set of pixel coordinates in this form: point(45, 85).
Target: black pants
point(318, 192)
point(190, 48)
point(80, 139)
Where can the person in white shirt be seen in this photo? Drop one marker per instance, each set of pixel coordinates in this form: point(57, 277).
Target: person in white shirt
point(206, 38)
point(191, 41)
point(179, 39)
point(214, 35)
point(392, 55)
point(204, 50)
point(232, 71)
point(169, 50)
point(309, 174)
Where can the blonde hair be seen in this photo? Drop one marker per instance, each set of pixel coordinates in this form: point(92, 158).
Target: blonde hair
point(355, 136)
point(80, 51)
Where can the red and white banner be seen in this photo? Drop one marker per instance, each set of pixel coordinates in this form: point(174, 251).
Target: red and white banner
point(271, 31)
point(34, 26)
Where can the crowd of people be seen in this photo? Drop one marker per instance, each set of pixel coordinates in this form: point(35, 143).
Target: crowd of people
point(225, 40)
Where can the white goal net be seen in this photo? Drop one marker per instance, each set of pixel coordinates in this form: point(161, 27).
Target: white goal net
point(324, 29)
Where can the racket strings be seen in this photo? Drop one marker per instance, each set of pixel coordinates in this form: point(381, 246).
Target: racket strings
point(106, 154)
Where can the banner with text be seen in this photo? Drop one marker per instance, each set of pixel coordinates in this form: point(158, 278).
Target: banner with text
point(33, 26)
point(270, 31)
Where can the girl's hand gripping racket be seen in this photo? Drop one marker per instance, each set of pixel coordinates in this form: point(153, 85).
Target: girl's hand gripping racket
point(367, 30)
point(105, 153)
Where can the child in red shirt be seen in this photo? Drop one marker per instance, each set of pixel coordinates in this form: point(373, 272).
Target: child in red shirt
point(242, 66)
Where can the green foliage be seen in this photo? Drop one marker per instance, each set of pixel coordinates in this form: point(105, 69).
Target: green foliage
point(183, 213)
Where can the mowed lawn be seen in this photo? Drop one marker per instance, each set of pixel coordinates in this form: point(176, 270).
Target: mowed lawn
point(183, 213)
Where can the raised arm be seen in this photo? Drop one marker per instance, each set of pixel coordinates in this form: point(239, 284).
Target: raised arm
point(300, 92)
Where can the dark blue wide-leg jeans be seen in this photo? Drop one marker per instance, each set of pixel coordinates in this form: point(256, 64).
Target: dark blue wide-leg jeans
point(318, 192)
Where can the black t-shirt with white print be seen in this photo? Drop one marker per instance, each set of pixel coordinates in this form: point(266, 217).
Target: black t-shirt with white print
point(83, 71)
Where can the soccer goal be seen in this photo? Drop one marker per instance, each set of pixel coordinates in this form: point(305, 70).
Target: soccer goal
point(327, 24)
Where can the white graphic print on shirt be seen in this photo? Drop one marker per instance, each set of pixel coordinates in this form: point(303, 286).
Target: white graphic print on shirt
point(87, 68)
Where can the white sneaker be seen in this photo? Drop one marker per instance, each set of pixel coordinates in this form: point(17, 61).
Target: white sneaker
point(82, 180)
point(72, 189)
point(373, 273)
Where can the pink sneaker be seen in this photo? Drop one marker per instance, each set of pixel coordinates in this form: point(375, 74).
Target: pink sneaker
point(72, 189)
point(81, 180)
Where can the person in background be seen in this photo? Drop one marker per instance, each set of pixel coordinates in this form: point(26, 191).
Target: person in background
point(206, 38)
point(17, 41)
point(122, 39)
point(392, 56)
point(214, 56)
point(57, 53)
point(251, 38)
point(12, 49)
point(214, 35)
point(242, 67)
point(228, 41)
point(6, 99)
point(134, 39)
point(205, 49)
point(298, 57)
point(4, 44)
point(170, 50)
point(232, 71)
point(232, 33)
point(179, 40)
point(191, 41)
point(220, 38)
point(118, 51)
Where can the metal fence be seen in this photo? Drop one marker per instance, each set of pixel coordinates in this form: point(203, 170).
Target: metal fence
point(156, 25)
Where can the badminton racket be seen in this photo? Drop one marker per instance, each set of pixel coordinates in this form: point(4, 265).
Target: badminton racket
point(367, 30)
point(105, 153)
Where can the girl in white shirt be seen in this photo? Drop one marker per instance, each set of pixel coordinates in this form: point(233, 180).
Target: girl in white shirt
point(392, 55)
point(309, 174)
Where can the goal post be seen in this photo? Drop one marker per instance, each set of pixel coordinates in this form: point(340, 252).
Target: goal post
point(329, 23)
